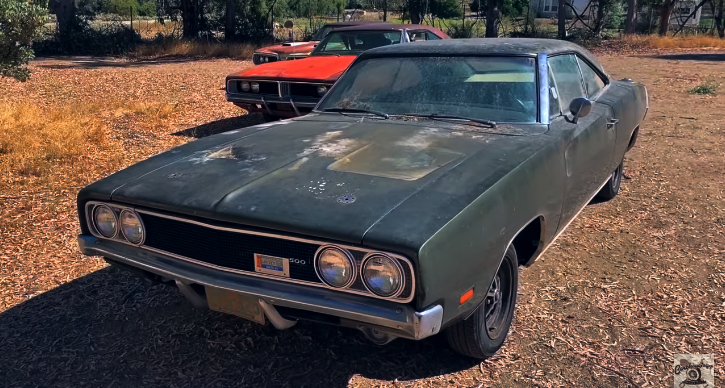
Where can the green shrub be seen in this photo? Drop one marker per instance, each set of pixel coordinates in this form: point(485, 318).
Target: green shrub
point(708, 87)
point(122, 7)
point(147, 8)
point(20, 24)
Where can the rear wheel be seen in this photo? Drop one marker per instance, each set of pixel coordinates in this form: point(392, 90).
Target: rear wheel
point(483, 333)
point(611, 189)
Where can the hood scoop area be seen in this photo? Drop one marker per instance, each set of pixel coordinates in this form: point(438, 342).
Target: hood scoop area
point(395, 161)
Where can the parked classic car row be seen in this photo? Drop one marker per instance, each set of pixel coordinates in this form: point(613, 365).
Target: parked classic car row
point(290, 89)
point(298, 50)
point(401, 206)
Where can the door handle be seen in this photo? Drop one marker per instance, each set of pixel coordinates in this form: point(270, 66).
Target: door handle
point(611, 123)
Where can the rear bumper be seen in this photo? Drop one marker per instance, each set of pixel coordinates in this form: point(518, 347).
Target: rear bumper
point(274, 106)
point(399, 320)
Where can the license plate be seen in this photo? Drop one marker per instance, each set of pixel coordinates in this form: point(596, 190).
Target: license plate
point(271, 265)
point(235, 303)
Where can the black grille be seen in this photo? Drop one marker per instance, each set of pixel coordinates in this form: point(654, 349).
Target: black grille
point(268, 88)
point(236, 250)
point(304, 90)
point(226, 249)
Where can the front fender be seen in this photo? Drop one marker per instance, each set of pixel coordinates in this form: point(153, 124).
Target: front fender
point(468, 250)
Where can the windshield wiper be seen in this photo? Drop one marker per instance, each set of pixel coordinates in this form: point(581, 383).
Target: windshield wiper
point(353, 110)
point(454, 117)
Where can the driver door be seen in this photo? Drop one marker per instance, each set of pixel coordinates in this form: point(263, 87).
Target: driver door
point(589, 144)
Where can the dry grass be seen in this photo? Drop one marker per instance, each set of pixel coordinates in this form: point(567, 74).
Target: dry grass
point(683, 42)
point(153, 116)
point(196, 49)
point(33, 141)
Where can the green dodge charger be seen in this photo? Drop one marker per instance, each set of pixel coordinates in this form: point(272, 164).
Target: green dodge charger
point(402, 206)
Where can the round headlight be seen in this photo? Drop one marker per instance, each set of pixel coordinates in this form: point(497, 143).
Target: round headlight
point(105, 221)
point(255, 87)
point(131, 227)
point(335, 267)
point(245, 86)
point(382, 275)
point(266, 59)
point(321, 90)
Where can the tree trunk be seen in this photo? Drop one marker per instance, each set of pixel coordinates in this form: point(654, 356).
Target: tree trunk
point(229, 27)
point(190, 18)
point(631, 22)
point(718, 16)
point(414, 8)
point(65, 12)
point(599, 25)
point(493, 10)
point(562, 19)
point(385, 10)
point(665, 13)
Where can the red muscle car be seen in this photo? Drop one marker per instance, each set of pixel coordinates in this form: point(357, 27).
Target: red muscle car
point(298, 50)
point(289, 89)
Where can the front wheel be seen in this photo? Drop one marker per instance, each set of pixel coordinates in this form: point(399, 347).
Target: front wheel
point(483, 333)
point(611, 189)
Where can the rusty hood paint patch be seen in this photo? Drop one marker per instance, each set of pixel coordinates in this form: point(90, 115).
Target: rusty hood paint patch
point(395, 161)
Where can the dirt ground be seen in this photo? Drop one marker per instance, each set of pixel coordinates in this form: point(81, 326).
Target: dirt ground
point(631, 283)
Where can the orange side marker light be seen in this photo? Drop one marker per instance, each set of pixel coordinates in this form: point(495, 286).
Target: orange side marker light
point(466, 296)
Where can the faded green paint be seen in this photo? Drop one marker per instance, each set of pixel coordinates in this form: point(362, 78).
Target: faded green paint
point(450, 197)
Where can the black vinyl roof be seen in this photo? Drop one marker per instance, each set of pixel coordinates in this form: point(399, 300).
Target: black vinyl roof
point(483, 46)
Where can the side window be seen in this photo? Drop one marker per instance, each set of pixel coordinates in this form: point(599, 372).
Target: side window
point(592, 80)
point(416, 36)
point(568, 79)
point(554, 107)
point(432, 36)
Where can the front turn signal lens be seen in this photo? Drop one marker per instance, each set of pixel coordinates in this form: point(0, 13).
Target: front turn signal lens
point(466, 296)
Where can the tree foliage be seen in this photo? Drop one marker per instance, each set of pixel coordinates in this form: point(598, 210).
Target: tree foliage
point(20, 24)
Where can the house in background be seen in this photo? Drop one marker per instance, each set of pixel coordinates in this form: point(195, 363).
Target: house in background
point(550, 8)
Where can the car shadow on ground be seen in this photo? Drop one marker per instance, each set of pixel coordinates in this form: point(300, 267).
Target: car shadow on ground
point(109, 328)
point(223, 125)
point(704, 57)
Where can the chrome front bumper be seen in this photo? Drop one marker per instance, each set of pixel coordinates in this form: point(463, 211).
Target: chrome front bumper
point(395, 319)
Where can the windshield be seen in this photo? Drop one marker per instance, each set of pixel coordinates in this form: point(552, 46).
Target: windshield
point(321, 33)
point(355, 42)
point(501, 89)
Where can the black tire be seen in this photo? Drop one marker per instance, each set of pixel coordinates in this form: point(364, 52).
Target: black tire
point(611, 189)
point(481, 338)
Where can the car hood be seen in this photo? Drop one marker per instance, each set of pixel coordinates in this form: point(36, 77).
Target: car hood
point(322, 177)
point(319, 68)
point(290, 48)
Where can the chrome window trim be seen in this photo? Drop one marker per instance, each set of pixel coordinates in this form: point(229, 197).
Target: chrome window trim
point(143, 227)
point(542, 67)
point(279, 236)
point(350, 258)
point(365, 259)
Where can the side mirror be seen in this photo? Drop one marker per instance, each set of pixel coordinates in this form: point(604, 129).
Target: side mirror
point(580, 107)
